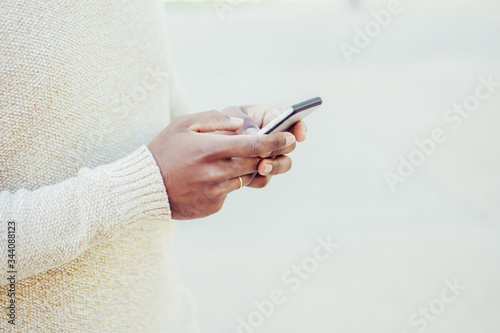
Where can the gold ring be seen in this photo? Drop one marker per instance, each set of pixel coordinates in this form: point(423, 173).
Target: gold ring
point(241, 182)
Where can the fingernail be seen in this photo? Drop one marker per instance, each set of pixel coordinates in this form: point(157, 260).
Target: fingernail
point(251, 130)
point(236, 121)
point(268, 168)
point(290, 139)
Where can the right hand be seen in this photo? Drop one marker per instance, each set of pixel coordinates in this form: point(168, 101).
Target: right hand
point(199, 169)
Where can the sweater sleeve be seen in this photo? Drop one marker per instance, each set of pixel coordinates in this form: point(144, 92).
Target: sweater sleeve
point(55, 224)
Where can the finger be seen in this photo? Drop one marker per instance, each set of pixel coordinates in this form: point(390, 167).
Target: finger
point(250, 126)
point(250, 145)
point(284, 151)
point(275, 166)
point(225, 132)
point(260, 181)
point(300, 131)
point(263, 114)
point(235, 183)
point(211, 121)
point(235, 167)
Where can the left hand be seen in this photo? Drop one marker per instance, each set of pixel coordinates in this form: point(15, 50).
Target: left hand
point(255, 117)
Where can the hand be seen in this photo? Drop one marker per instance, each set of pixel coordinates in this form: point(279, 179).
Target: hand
point(255, 117)
point(200, 169)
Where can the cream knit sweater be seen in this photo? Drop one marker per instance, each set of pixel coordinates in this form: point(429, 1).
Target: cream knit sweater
point(84, 85)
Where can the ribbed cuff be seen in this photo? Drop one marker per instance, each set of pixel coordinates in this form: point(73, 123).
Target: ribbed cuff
point(137, 183)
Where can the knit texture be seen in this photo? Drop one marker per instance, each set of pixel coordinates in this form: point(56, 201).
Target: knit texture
point(84, 86)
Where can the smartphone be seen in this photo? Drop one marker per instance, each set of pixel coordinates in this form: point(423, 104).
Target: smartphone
point(291, 116)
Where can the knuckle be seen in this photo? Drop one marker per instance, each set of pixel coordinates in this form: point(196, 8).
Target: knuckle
point(255, 163)
point(214, 175)
point(251, 164)
point(234, 166)
point(215, 191)
point(254, 146)
point(233, 110)
point(182, 119)
point(241, 109)
point(219, 175)
point(279, 142)
point(274, 110)
point(209, 149)
point(216, 115)
point(276, 167)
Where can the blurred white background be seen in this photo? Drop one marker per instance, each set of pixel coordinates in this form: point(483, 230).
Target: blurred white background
point(396, 248)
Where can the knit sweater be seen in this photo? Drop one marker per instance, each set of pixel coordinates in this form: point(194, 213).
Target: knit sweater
point(84, 86)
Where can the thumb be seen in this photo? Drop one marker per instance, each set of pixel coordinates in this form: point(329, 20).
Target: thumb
point(212, 121)
point(250, 126)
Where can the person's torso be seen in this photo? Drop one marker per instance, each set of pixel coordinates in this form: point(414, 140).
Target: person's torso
point(84, 83)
